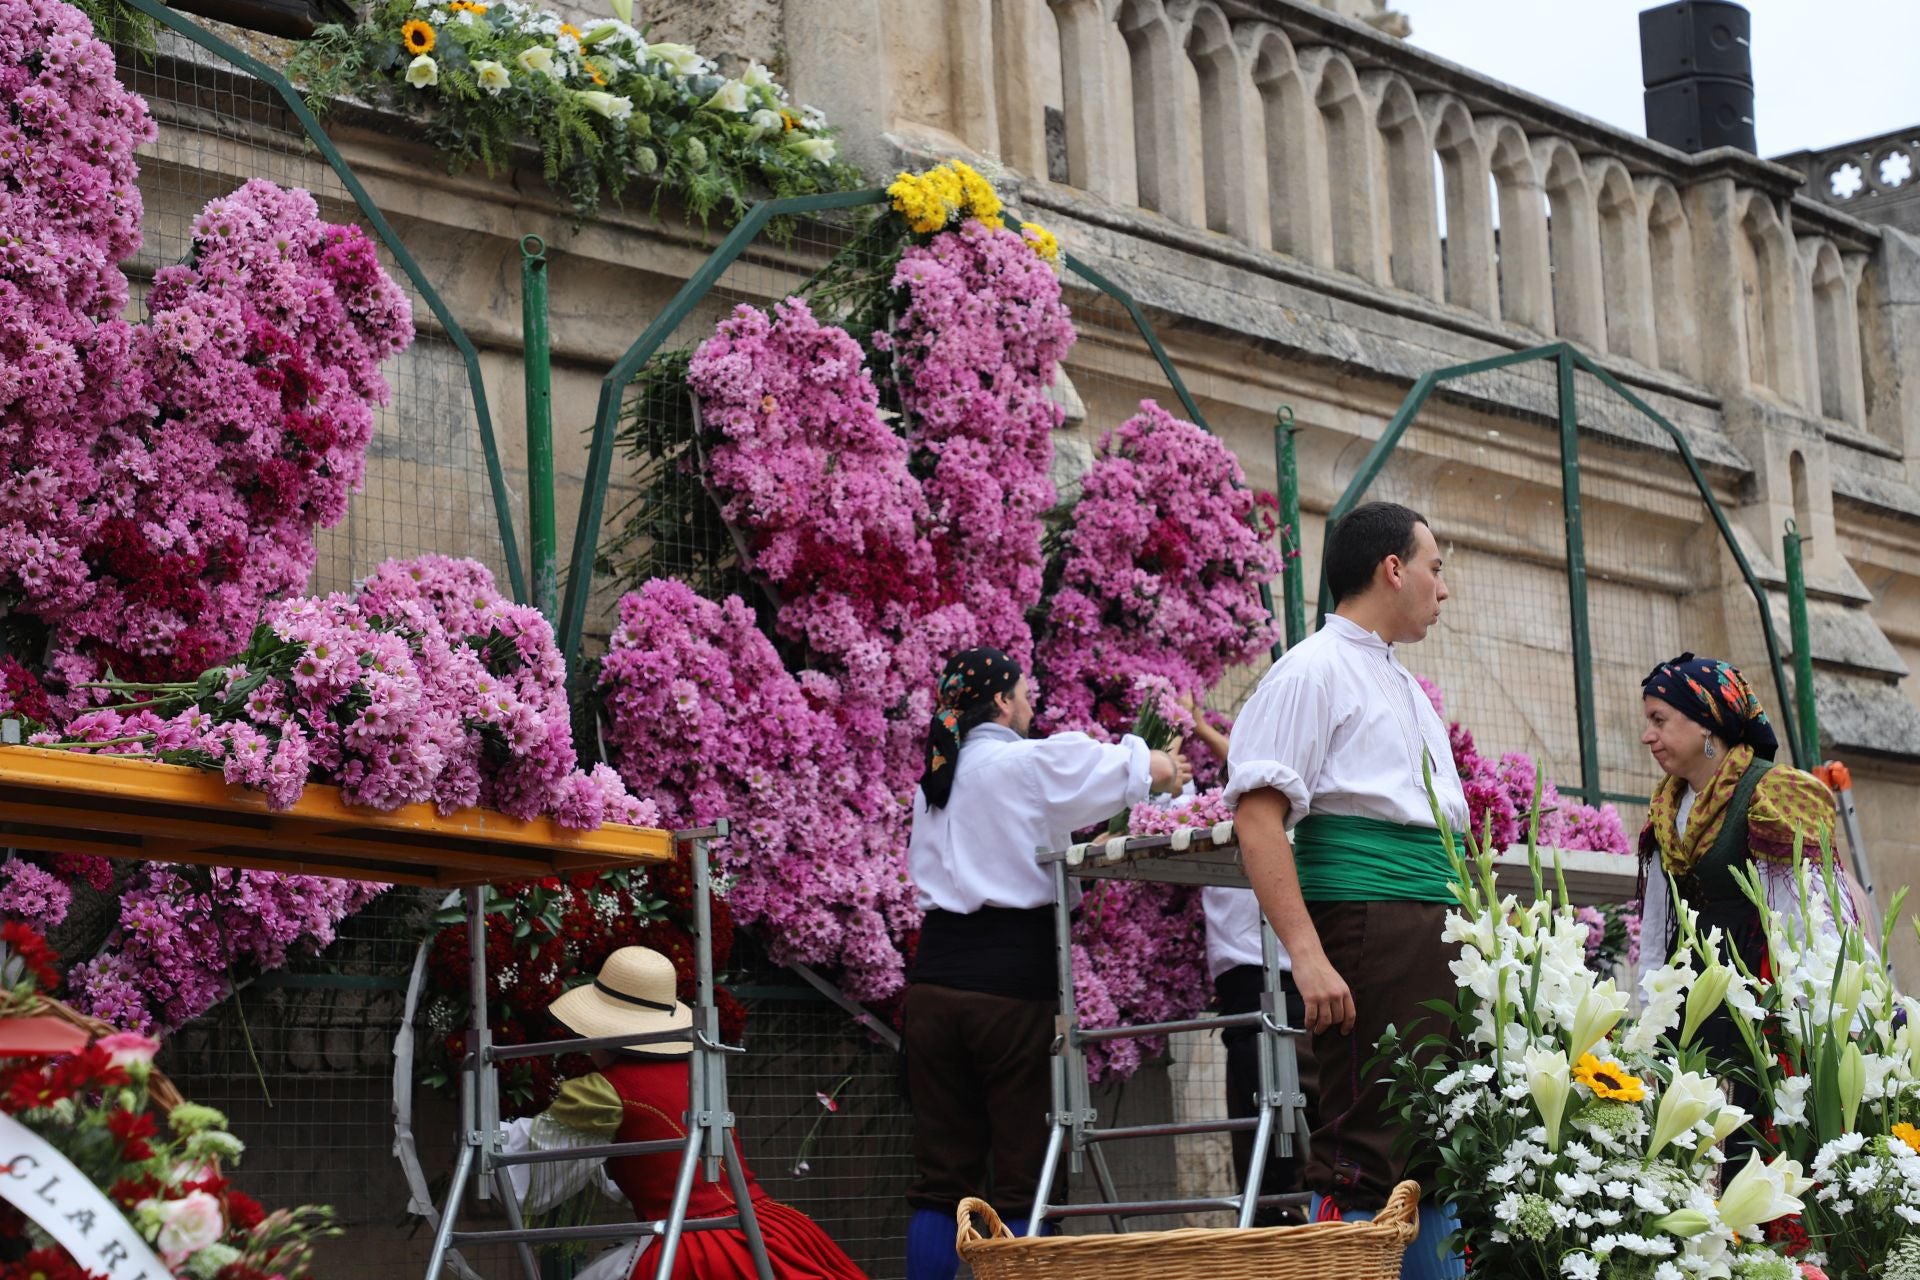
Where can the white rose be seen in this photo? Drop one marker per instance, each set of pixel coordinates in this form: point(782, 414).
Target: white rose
point(821, 150)
point(539, 59)
point(731, 96)
point(187, 1225)
point(491, 76)
point(679, 57)
point(423, 71)
point(606, 104)
point(765, 122)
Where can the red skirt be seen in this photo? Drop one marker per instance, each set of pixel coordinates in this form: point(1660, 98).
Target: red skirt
point(796, 1246)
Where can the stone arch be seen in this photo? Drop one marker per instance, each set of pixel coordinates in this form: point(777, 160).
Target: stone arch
point(1526, 285)
point(1086, 86)
point(1767, 264)
point(1879, 403)
point(1295, 152)
point(1410, 230)
point(1353, 193)
point(1670, 267)
point(1026, 80)
point(1573, 245)
point(1155, 70)
point(1836, 337)
point(971, 73)
point(1626, 275)
point(1224, 128)
point(1466, 196)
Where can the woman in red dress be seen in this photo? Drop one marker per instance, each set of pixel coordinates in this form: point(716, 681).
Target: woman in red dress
point(641, 1095)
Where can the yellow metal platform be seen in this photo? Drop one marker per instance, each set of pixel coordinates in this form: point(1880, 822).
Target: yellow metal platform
point(126, 807)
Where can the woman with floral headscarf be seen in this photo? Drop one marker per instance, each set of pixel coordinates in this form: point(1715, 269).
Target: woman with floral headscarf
point(1723, 805)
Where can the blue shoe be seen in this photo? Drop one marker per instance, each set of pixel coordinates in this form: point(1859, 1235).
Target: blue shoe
point(1424, 1259)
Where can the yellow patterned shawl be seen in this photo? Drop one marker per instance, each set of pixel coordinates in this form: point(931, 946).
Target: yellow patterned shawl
point(1787, 803)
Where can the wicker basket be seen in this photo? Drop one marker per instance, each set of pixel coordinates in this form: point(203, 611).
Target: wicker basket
point(1319, 1251)
point(160, 1089)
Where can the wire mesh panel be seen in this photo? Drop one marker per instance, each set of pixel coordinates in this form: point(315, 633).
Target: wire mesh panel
point(426, 488)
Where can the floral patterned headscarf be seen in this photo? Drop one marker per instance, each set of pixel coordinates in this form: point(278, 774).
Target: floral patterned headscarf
point(1716, 697)
point(971, 678)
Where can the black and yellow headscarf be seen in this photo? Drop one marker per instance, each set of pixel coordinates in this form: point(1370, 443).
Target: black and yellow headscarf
point(971, 678)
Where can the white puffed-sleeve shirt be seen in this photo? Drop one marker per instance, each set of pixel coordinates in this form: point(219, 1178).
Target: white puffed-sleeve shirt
point(1338, 726)
point(1013, 796)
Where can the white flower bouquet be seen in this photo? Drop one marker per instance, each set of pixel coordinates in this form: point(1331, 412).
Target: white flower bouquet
point(1571, 1140)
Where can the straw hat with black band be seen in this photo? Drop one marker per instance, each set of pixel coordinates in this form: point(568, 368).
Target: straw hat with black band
point(633, 994)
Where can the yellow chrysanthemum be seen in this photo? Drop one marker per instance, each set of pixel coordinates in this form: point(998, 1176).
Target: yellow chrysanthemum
point(1609, 1080)
point(1043, 241)
point(417, 36)
point(977, 194)
point(943, 194)
point(1909, 1135)
point(568, 29)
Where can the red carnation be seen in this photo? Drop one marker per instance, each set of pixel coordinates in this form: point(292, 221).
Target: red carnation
point(243, 1211)
point(47, 1264)
point(131, 1129)
point(26, 942)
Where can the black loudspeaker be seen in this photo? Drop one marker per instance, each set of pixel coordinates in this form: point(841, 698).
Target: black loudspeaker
point(1695, 38)
point(1702, 113)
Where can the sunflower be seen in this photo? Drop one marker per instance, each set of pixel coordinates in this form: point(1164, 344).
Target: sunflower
point(1609, 1080)
point(1909, 1135)
point(417, 36)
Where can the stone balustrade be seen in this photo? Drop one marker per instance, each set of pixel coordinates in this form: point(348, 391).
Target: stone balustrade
point(1294, 131)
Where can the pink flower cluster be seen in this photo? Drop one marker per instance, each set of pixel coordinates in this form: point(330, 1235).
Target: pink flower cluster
point(161, 481)
point(264, 353)
point(835, 525)
point(1500, 797)
point(703, 717)
point(426, 687)
point(1140, 956)
point(176, 950)
point(1160, 573)
point(1159, 817)
point(974, 356)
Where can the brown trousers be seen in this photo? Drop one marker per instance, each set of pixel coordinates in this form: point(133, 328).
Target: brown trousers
point(1393, 960)
point(979, 1078)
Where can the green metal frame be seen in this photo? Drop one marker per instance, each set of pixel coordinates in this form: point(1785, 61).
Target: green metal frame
point(1287, 470)
point(1567, 360)
point(586, 536)
point(542, 535)
point(193, 31)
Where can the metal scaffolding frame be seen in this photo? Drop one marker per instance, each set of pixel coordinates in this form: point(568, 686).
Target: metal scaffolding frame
point(1190, 856)
point(706, 1149)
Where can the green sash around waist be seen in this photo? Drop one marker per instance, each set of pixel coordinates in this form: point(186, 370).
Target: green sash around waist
point(1345, 859)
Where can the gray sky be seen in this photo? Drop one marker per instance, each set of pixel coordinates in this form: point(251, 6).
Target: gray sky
point(1825, 71)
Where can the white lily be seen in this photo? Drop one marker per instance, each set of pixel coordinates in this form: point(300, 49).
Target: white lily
point(731, 96)
point(1729, 1121)
point(606, 104)
point(820, 150)
point(539, 59)
point(622, 9)
point(423, 71)
point(765, 122)
point(1688, 1098)
point(683, 59)
point(491, 77)
point(757, 77)
point(1761, 1192)
point(1600, 1010)
point(1549, 1079)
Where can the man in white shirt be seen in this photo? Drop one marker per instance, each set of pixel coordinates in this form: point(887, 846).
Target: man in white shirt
point(978, 1020)
point(1340, 844)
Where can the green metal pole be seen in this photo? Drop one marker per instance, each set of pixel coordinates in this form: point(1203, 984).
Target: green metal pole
point(1290, 541)
point(1577, 581)
point(543, 534)
point(1806, 750)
